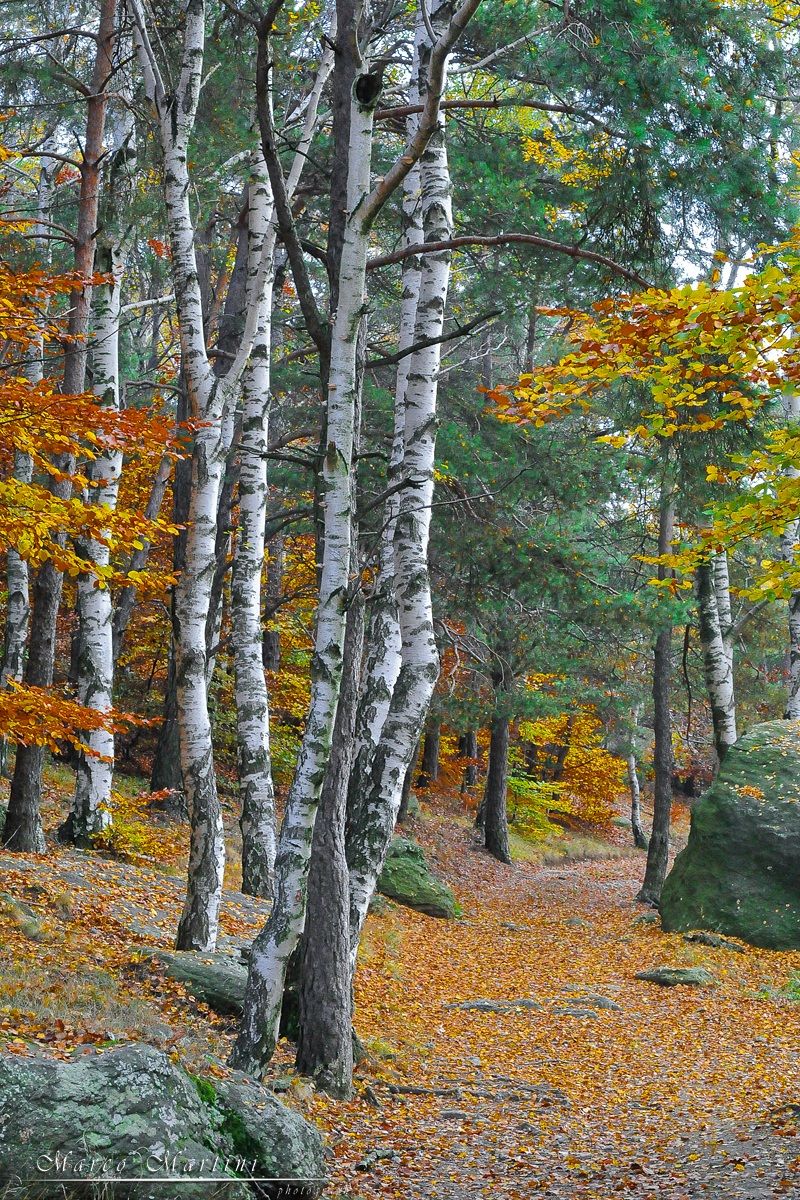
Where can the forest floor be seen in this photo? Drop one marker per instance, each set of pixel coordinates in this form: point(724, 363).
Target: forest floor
point(601, 1085)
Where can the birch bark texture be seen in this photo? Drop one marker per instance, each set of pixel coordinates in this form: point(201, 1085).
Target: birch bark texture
point(251, 697)
point(91, 808)
point(717, 659)
point(252, 702)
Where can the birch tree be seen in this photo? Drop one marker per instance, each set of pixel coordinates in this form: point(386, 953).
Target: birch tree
point(91, 809)
point(252, 702)
point(210, 404)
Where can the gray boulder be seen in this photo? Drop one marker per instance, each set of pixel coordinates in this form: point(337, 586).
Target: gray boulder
point(131, 1124)
point(740, 871)
point(406, 878)
point(675, 976)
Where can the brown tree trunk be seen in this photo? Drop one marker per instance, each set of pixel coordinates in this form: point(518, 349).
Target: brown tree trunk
point(495, 817)
point(469, 749)
point(429, 766)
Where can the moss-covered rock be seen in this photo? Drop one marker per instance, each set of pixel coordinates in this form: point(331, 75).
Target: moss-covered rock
point(131, 1124)
point(407, 879)
point(740, 872)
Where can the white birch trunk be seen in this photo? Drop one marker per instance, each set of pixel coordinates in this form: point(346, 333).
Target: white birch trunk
point(175, 112)
point(717, 665)
point(419, 669)
point(272, 948)
point(91, 808)
point(722, 589)
point(383, 640)
point(252, 702)
point(789, 539)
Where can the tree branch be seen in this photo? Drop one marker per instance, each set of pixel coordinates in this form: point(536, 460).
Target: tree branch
point(408, 110)
point(429, 115)
point(503, 239)
point(317, 328)
point(460, 331)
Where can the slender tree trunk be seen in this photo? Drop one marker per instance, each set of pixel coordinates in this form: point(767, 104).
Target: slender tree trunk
point(91, 808)
point(717, 664)
point(658, 849)
point(495, 817)
point(23, 827)
point(722, 591)
point(789, 540)
point(639, 836)
point(429, 767)
point(469, 749)
point(637, 829)
point(252, 703)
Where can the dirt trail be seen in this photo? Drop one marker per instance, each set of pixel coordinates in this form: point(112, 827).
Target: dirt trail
point(607, 1085)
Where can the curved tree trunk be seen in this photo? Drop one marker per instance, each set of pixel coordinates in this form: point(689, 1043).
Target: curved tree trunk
point(639, 835)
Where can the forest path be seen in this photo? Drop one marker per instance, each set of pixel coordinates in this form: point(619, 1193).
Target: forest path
point(603, 1085)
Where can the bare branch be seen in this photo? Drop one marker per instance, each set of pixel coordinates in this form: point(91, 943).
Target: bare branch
point(386, 360)
point(503, 239)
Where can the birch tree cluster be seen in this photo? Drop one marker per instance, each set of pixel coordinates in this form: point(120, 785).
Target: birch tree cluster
point(331, 258)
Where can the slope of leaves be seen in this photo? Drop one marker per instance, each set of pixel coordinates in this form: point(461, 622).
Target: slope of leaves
point(456, 1102)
